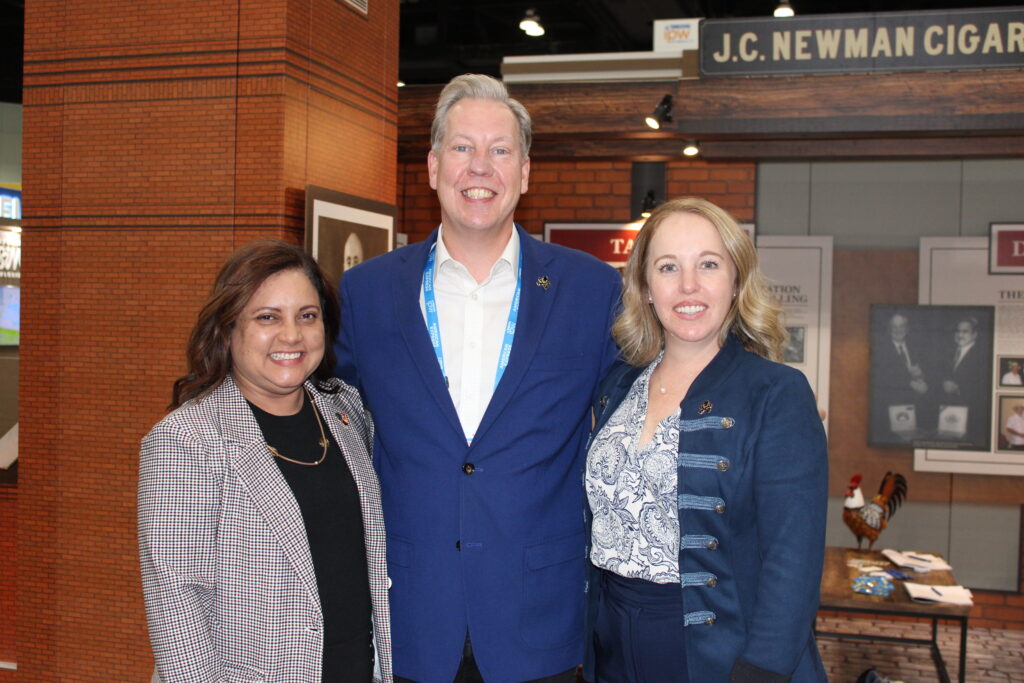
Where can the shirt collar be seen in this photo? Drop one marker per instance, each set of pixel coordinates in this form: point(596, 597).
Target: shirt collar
point(510, 254)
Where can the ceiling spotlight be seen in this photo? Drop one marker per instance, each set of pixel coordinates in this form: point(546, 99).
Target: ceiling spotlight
point(400, 84)
point(784, 9)
point(661, 114)
point(648, 204)
point(691, 148)
point(531, 24)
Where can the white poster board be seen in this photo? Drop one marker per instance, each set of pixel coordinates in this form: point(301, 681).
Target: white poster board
point(799, 273)
point(954, 271)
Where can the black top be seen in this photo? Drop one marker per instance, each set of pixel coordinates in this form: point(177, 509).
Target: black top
point(329, 501)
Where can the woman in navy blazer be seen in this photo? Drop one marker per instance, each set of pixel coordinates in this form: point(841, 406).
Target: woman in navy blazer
point(706, 474)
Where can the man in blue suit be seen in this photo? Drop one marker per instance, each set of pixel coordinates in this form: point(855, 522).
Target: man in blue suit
point(477, 352)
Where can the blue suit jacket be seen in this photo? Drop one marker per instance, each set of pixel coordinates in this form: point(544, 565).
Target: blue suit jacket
point(753, 480)
point(500, 550)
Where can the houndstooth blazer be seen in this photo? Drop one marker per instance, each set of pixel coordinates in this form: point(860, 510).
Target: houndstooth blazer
point(227, 575)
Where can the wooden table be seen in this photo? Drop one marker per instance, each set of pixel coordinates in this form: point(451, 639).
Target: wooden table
point(837, 595)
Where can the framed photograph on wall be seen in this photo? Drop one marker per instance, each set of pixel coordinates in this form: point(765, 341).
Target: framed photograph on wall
point(1009, 424)
point(931, 377)
point(1011, 372)
point(343, 230)
point(1006, 249)
point(794, 349)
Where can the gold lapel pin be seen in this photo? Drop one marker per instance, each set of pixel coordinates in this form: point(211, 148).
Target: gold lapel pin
point(343, 417)
point(705, 408)
point(543, 282)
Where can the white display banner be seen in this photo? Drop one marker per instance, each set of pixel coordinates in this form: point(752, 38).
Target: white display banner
point(954, 271)
point(799, 273)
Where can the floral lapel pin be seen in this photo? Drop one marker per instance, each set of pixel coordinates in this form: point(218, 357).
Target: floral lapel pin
point(543, 282)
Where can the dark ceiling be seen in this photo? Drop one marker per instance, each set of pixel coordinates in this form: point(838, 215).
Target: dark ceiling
point(443, 38)
point(12, 45)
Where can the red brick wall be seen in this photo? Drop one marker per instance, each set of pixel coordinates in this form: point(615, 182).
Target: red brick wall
point(157, 137)
point(585, 191)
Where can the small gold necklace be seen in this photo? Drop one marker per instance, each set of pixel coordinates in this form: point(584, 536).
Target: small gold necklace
point(323, 439)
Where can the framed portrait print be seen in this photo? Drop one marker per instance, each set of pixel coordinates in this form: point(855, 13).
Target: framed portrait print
point(931, 377)
point(343, 230)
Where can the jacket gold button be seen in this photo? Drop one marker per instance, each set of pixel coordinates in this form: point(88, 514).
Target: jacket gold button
point(709, 621)
point(728, 422)
point(720, 508)
point(713, 544)
point(723, 465)
point(711, 583)
point(468, 468)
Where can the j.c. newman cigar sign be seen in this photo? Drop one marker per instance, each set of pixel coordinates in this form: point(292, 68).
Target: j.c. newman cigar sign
point(856, 43)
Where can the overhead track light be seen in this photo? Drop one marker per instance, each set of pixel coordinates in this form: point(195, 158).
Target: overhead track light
point(531, 25)
point(784, 9)
point(691, 148)
point(662, 113)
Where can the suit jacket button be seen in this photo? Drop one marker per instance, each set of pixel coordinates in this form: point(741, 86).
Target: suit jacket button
point(713, 544)
point(709, 621)
point(468, 468)
point(711, 583)
point(728, 422)
point(720, 508)
point(723, 465)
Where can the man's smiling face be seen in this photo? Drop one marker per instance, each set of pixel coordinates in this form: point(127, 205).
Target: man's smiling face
point(478, 169)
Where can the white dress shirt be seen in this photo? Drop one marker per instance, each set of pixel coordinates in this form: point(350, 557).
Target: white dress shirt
point(901, 349)
point(472, 317)
point(960, 353)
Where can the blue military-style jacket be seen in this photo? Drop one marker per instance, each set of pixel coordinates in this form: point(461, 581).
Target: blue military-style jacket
point(752, 487)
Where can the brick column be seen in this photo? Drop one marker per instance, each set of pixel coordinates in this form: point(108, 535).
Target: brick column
point(157, 137)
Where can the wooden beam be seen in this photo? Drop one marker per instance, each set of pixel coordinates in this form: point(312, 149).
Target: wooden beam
point(867, 116)
point(865, 148)
point(950, 103)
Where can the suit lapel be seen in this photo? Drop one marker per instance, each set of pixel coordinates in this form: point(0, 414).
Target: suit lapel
point(261, 476)
point(406, 290)
point(535, 306)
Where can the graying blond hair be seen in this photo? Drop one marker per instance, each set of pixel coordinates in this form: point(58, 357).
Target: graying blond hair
point(479, 87)
point(755, 316)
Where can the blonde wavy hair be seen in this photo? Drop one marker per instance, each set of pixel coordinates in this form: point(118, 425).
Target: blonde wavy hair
point(755, 317)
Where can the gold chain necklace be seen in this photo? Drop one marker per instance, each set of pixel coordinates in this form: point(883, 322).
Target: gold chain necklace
point(323, 439)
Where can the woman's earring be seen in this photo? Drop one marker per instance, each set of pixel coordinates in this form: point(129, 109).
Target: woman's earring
point(650, 299)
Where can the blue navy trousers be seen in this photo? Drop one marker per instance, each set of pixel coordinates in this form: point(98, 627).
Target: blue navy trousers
point(638, 636)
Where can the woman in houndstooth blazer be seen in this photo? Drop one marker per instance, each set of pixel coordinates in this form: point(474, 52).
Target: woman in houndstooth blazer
point(261, 539)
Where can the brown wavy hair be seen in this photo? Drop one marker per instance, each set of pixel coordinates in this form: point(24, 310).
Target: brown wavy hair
point(755, 317)
point(209, 354)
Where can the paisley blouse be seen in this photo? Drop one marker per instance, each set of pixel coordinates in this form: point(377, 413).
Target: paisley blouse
point(632, 492)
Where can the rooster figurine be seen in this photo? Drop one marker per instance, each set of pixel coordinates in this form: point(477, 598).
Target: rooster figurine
point(868, 521)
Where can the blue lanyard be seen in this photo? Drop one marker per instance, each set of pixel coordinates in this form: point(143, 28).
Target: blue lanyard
point(434, 325)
